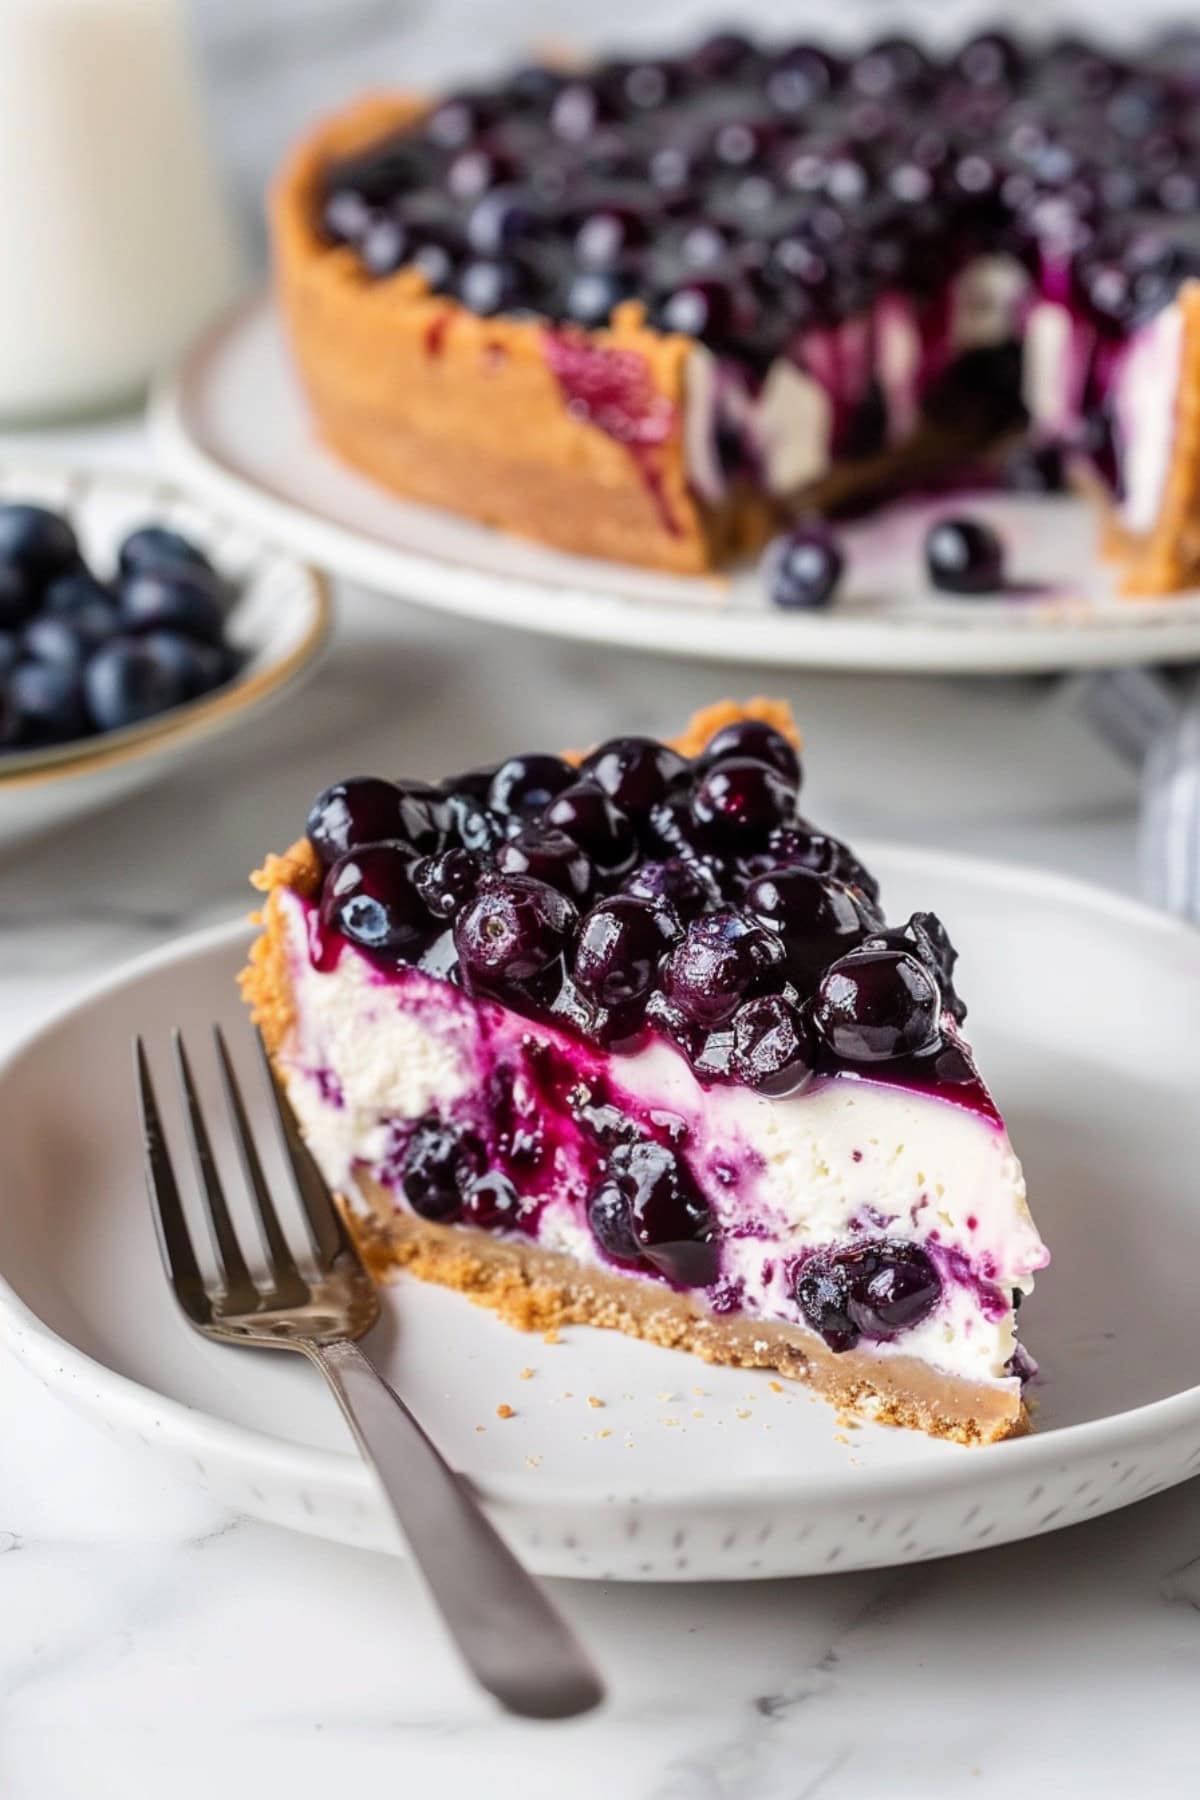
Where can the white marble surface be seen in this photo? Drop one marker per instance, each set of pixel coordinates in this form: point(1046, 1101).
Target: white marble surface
point(152, 1646)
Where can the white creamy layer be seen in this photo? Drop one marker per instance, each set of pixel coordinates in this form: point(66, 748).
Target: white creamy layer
point(846, 1159)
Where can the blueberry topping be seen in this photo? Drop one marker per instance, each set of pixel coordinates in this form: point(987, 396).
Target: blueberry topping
point(878, 1004)
point(773, 1050)
point(876, 1290)
point(527, 784)
point(492, 1202)
point(446, 882)
point(513, 931)
point(371, 897)
point(678, 885)
point(802, 570)
point(635, 772)
point(753, 738)
point(440, 1163)
point(964, 556)
point(815, 918)
point(548, 855)
point(648, 1199)
point(365, 810)
point(621, 943)
point(740, 799)
point(586, 814)
point(720, 959)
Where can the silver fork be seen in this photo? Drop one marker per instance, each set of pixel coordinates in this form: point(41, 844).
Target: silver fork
point(508, 1633)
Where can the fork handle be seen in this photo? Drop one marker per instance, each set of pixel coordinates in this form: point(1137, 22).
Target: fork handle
point(510, 1636)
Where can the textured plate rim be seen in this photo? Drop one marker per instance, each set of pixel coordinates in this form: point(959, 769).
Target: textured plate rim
point(196, 718)
point(58, 1363)
point(583, 611)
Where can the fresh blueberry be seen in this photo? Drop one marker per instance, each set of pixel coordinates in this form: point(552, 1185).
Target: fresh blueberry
point(128, 680)
point(964, 556)
point(635, 772)
point(18, 597)
point(512, 932)
point(370, 896)
point(440, 1163)
point(669, 1219)
point(773, 1050)
point(815, 918)
point(153, 546)
point(587, 815)
point(37, 543)
point(201, 667)
point(527, 784)
point(446, 882)
point(548, 855)
point(48, 701)
point(802, 569)
point(85, 602)
point(757, 739)
point(621, 943)
point(10, 719)
point(878, 1004)
point(58, 642)
point(173, 597)
point(721, 958)
point(10, 652)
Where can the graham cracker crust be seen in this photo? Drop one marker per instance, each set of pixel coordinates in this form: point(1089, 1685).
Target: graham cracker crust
point(539, 1290)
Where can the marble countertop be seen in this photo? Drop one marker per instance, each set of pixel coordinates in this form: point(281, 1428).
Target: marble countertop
point(151, 1645)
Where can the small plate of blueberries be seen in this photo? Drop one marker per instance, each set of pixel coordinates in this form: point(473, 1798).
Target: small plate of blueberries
point(132, 624)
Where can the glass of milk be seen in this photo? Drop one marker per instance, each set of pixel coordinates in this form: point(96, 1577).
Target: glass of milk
point(115, 246)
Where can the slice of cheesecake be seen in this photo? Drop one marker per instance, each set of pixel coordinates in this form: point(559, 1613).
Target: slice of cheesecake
point(622, 1040)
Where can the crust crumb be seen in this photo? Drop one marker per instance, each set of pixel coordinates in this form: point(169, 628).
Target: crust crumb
point(505, 1411)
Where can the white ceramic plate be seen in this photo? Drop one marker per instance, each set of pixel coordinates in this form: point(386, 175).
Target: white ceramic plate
point(279, 620)
point(1086, 1010)
point(233, 425)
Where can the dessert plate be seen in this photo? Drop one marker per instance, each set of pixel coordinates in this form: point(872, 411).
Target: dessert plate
point(233, 425)
point(620, 1460)
point(280, 621)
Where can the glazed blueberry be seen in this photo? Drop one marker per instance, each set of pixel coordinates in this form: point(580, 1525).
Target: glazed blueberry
point(130, 679)
point(592, 295)
point(446, 882)
point(800, 846)
point(384, 245)
point(513, 931)
point(610, 1216)
point(873, 1290)
point(587, 815)
point(964, 556)
point(474, 784)
point(440, 1163)
point(608, 234)
point(669, 1219)
point(434, 262)
point(48, 701)
point(717, 963)
point(678, 885)
point(364, 810)
point(172, 597)
point(878, 1004)
point(621, 943)
point(741, 799)
point(527, 784)
point(425, 815)
point(370, 896)
point(37, 543)
point(151, 546)
point(472, 824)
point(578, 109)
point(457, 120)
point(551, 856)
point(925, 936)
point(635, 772)
point(500, 219)
point(773, 1050)
point(802, 570)
point(492, 1202)
point(754, 738)
point(815, 918)
point(489, 286)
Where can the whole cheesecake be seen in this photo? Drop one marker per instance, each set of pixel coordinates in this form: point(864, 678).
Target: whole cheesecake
point(648, 309)
point(623, 1040)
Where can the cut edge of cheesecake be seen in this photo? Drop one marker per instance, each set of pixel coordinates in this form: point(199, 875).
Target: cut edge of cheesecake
point(537, 1289)
point(392, 372)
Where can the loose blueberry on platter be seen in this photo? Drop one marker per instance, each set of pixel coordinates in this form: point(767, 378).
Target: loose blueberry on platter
point(81, 655)
point(632, 1019)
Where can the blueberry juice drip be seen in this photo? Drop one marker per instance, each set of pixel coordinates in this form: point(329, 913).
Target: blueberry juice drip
point(783, 202)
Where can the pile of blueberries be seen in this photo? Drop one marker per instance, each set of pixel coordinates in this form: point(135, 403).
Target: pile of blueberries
point(749, 192)
point(643, 891)
point(80, 655)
